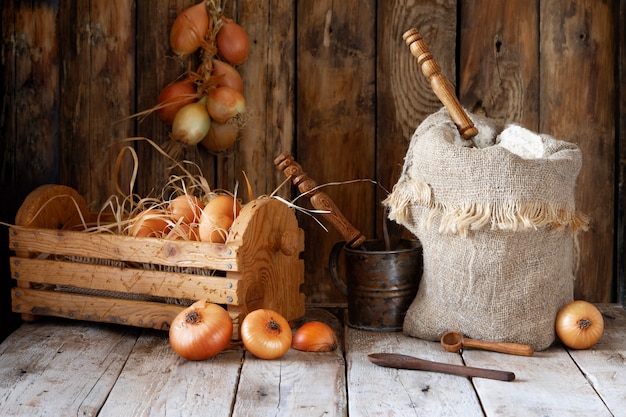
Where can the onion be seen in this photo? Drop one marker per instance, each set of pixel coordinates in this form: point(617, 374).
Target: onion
point(266, 334)
point(579, 324)
point(191, 124)
point(217, 217)
point(232, 42)
point(183, 231)
point(150, 223)
point(174, 97)
point(189, 29)
point(227, 75)
point(187, 208)
point(315, 336)
point(224, 103)
point(221, 136)
point(201, 331)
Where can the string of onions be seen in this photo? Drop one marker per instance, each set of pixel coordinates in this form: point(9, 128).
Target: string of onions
point(222, 44)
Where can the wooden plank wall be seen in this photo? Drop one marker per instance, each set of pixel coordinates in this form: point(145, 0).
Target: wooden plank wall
point(333, 83)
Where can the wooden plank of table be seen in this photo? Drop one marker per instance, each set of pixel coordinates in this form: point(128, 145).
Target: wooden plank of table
point(158, 382)
point(54, 368)
point(548, 382)
point(378, 391)
point(298, 384)
point(565, 384)
point(603, 364)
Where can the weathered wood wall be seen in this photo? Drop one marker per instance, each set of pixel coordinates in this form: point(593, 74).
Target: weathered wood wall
point(333, 83)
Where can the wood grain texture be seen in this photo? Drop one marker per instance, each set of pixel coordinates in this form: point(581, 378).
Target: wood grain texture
point(578, 105)
point(60, 367)
point(170, 385)
point(93, 355)
point(159, 67)
point(297, 384)
point(270, 245)
point(10, 138)
point(136, 282)
point(620, 16)
point(269, 85)
point(599, 361)
point(336, 122)
point(127, 248)
point(404, 97)
point(330, 82)
point(378, 391)
point(499, 60)
point(31, 93)
point(540, 384)
point(98, 92)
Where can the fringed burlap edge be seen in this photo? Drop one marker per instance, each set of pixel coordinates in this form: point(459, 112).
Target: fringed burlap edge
point(512, 215)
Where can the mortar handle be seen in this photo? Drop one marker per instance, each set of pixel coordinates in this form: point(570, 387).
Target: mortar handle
point(439, 83)
point(319, 199)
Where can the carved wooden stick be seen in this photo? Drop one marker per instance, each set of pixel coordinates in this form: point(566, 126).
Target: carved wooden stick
point(439, 83)
point(319, 199)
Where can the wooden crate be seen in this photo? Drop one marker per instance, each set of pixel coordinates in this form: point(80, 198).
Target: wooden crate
point(145, 282)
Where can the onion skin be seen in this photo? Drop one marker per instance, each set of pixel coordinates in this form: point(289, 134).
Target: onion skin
point(221, 136)
point(217, 218)
point(189, 29)
point(579, 324)
point(232, 42)
point(183, 231)
point(187, 208)
point(224, 103)
point(191, 124)
point(201, 331)
point(314, 336)
point(266, 334)
point(174, 97)
point(227, 75)
point(150, 223)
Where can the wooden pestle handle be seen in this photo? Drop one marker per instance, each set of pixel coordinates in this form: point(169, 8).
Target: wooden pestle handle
point(319, 199)
point(439, 83)
point(399, 361)
point(502, 347)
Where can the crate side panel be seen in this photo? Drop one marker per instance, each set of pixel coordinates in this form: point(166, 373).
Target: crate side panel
point(125, 248)
point(136, 281)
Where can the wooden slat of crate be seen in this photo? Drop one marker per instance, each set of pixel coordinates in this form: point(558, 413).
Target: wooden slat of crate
point(101, 309)
point(90, 276)
point(125, 248)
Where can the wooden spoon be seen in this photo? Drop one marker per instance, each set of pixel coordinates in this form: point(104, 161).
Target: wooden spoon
point(455, 341)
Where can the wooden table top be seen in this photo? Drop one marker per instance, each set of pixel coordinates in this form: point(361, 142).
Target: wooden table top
point(57, 367)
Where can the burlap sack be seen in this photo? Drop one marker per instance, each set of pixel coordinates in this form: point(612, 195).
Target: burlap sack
point(497, 224)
